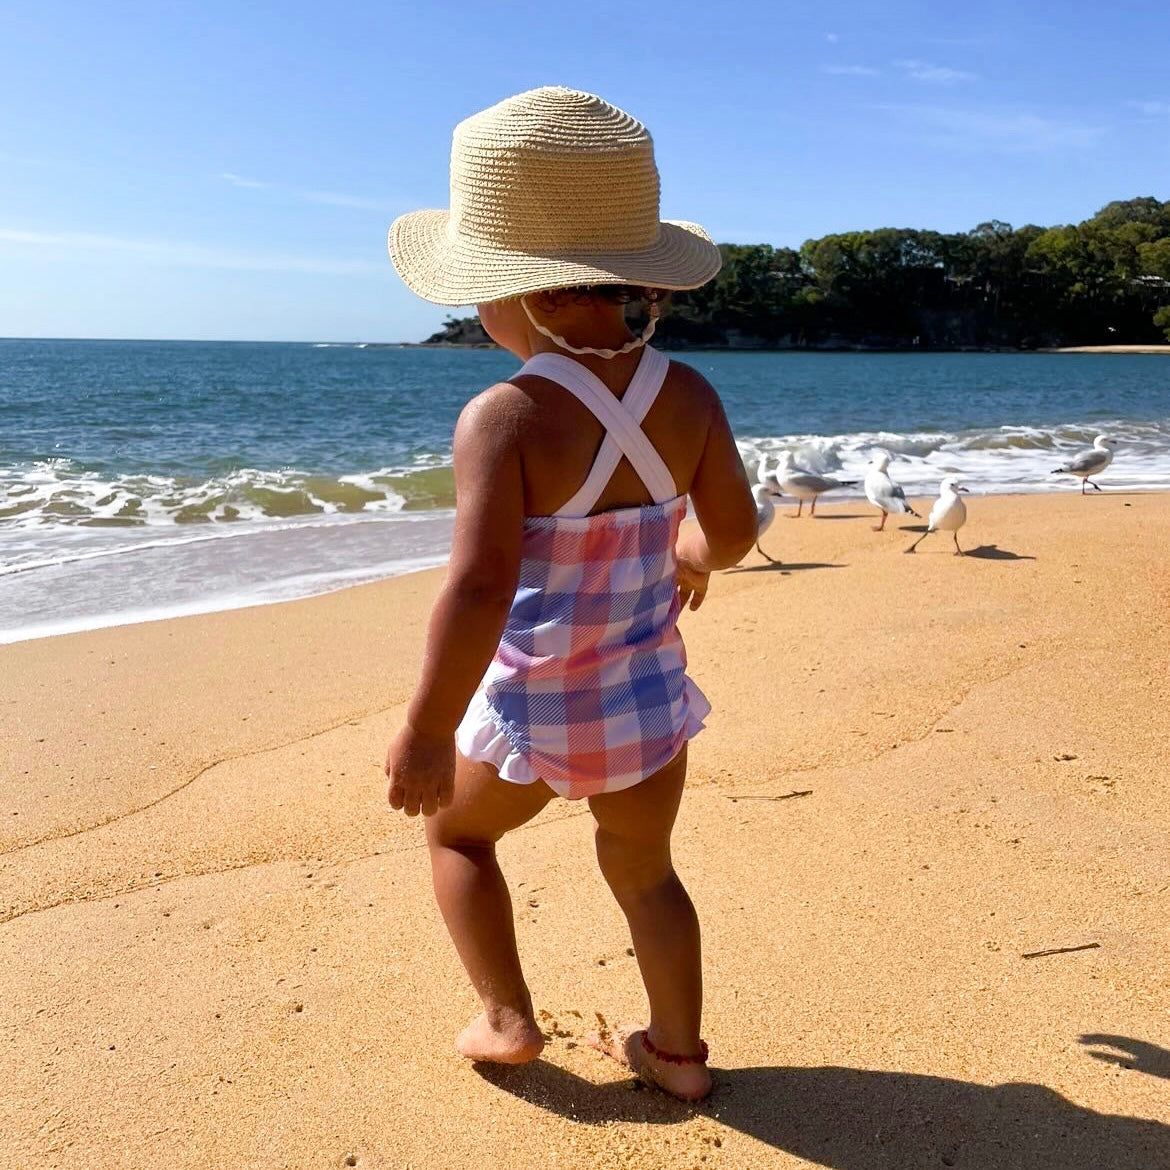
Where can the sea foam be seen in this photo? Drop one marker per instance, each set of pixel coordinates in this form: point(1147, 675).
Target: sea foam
point(993, 459)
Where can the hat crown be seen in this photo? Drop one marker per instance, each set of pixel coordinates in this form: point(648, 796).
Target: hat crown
point(551, 172)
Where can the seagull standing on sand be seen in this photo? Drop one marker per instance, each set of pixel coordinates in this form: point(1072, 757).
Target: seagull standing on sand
point(1090, 462)
point(882, 492)
point(765, 514)
point(948, 514)
point(766, 478)
point(802, 483)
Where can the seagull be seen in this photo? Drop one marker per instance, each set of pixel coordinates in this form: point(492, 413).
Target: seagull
point(766, 478)
point(882, 492)
point(1090, 462)
point(948, 514)
point(802, 483)
point(765, 514)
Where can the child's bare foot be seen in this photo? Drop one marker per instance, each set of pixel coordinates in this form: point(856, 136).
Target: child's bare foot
point(688, 1082)
point(512, 1039)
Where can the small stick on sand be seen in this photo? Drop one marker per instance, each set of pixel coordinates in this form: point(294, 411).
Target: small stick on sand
point(1060, 951)
point(782, 796)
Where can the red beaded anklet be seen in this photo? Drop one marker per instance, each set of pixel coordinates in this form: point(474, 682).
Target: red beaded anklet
point(674, 1058)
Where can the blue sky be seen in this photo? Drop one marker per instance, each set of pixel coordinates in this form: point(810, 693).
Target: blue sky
point(228, 170)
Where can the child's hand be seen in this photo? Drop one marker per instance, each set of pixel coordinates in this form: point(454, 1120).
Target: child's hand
point(421, 769)
point(692, 584)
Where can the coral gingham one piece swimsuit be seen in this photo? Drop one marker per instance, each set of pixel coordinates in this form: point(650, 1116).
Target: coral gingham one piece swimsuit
point(588, 690)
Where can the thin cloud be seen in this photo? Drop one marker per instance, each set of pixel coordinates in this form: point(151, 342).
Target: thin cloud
point(1005, 131)
point(852, 71)
point(328, 198)
point(183, 254)
point(934, 74)
point(237, 181)
point(832, 38)
point(1151, 109)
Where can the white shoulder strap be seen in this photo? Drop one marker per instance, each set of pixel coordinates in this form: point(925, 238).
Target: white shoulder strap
point(622, 421)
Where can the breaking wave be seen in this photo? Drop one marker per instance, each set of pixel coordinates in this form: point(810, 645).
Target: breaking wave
point(56, 492)
point(993, 459)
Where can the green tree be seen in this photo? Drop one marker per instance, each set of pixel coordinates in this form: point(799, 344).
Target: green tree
point(1162, 320)
point(1154, 258)
point(1104, 279)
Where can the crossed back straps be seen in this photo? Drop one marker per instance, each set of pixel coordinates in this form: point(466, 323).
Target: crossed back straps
point(622, 420)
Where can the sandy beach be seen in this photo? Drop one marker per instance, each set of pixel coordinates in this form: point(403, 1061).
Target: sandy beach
point(218, 947)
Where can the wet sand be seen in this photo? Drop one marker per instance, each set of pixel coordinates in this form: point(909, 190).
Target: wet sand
point(219, 949)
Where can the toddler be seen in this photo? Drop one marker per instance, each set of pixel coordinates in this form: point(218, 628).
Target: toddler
point(554, 666)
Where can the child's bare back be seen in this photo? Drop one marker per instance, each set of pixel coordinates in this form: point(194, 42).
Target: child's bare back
point(558, 437)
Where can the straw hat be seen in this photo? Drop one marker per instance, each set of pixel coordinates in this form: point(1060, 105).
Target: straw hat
point(549, 189)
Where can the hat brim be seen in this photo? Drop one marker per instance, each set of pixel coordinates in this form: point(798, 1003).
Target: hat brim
point(455, 271)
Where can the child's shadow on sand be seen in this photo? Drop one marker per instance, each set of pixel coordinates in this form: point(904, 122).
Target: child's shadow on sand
point(858, 1119)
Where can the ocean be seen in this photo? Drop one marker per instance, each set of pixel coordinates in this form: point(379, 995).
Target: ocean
point(143, 479)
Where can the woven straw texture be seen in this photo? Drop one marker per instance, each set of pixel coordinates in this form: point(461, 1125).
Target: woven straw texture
point(549, 189)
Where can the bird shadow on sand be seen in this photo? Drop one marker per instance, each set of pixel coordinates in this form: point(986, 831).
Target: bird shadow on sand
point(1106, 491)
point(831, 516)
point(784, 567)
point(863, 1119)
point(1139, 1055)
point(992, 552)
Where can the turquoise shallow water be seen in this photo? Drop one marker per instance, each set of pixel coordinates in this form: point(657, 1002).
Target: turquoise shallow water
point(145, 478)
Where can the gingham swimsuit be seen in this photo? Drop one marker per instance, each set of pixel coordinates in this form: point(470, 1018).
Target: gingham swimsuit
point(588, 689)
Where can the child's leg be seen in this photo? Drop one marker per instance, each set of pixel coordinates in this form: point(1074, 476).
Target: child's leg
point(633, 849)
point(477, 907)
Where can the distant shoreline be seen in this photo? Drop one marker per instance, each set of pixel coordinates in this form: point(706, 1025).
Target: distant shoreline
point(1111, 349)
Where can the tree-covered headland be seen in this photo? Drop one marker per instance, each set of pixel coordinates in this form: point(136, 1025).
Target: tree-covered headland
point(1103, 281)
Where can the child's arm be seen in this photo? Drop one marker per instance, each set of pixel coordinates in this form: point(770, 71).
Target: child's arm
point(724, 507)
point(469, 614)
